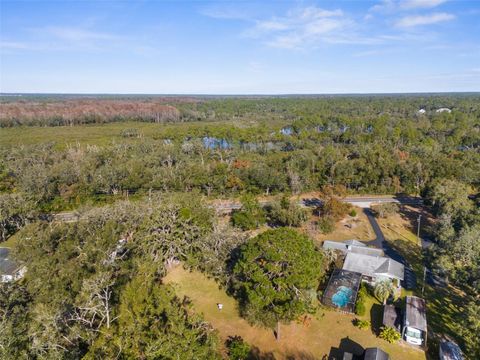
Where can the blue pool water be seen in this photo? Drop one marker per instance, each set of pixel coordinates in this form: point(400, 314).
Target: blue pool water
point(342, 296)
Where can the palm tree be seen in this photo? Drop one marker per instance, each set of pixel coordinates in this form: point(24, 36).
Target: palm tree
point(383, 289)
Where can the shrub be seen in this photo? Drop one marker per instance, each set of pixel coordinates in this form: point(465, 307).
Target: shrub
point(326, 225)
point(353, 213)
point(360, 308)
point(237, 348)
point(389, 334)
point(361, 297)
point(244, 220)
point(128, 133)
point(251, 216)
point(285, 213)
point(362, 324)
point(335, 208)
point(384, 210)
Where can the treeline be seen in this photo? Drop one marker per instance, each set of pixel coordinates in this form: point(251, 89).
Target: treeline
point(396, 156)
point(85, 111)
point(68, 111)
point(455, 254)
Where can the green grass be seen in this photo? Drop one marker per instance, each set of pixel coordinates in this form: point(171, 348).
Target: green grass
point(444, 305)
point(105, 134)
point(10, 242)
point(95, 134)
point(314, 338)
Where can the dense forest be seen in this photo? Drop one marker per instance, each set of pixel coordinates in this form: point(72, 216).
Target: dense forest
point(94, 288)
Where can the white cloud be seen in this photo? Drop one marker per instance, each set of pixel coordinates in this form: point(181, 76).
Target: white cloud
point(300, 27)
point(421, 4)
point(76, 34)
point(417, 20)
point(13, 45)
point(390, 6)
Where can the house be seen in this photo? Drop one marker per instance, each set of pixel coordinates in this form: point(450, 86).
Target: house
point(441, 110)
point(353, 246)
point(450, 351)
point(415, 321)
point(374, 268)
point(9, 269)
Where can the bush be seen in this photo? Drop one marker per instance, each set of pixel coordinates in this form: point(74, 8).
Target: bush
point(360, 308)
point(384, 210)
point(128, 133)
point(285, 213)
point(244, 221)
point(335, 208)
point(362, 324)
point(237, 348)
point(326, 225)
point(389, 334)
point(251, 216)
point(353, 213)
point(361, 297)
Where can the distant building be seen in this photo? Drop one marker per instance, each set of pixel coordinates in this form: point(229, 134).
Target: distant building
point(421, 112)
point(441, 110)
point(450, 351)
point(415, 321)
point(9, 269)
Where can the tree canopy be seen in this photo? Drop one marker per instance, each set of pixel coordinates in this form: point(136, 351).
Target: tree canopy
point(277, 275)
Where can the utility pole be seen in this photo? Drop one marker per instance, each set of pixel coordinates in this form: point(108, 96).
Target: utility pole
point(424, 278)
point(418, 228)
point(420, 242)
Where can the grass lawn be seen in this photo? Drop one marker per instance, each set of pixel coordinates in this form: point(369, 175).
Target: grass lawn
point(10, 242)
point(349, 228)
point(315, 338)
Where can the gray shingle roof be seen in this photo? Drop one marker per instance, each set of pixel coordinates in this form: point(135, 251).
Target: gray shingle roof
point(373, 266)
point(353, 246)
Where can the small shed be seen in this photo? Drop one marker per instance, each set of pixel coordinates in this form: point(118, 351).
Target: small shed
point(375, 354)
point(392, 317)
point(415, 321)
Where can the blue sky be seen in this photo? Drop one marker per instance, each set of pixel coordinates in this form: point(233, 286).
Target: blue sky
point(241, 47)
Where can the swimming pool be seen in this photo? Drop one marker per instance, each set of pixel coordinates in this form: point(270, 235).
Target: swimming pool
point(342, 297)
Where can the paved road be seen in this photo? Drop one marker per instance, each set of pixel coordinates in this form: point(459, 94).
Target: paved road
point(229, 206)
point(410, 279)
